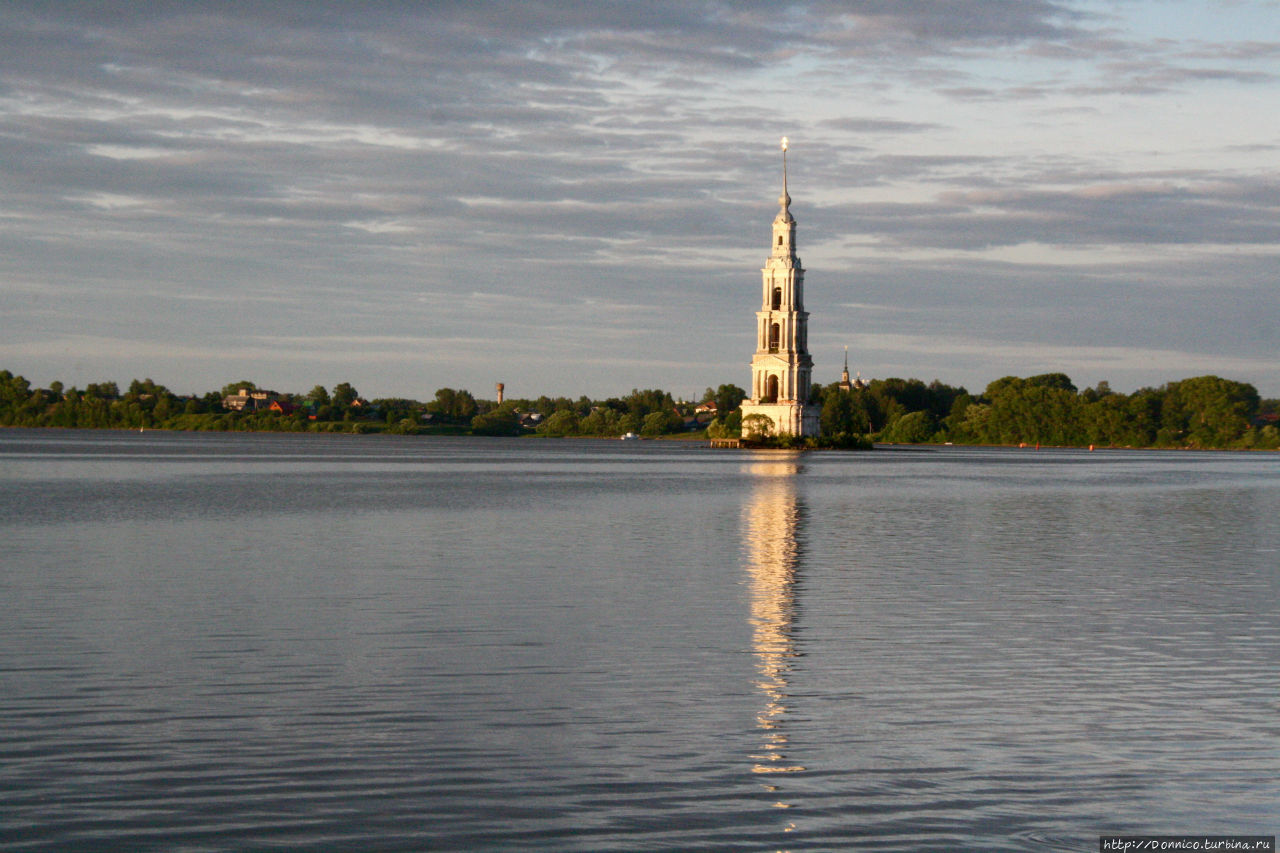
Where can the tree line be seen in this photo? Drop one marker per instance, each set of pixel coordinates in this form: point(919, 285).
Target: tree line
point(146, 404)
point(1201, 412)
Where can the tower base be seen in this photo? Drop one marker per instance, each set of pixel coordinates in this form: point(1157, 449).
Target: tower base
point(787, 418)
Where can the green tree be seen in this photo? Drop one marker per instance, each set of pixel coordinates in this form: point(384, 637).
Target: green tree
point(890, 399)
point(562, 422)
point(451, 405)
point(344, 394)
point(1268, 438)
point(101, 390)
point(601, 421)
point(500, 421)
point(163, 409)
point(716, 429)
point(14, 390)
point(1207, 411)
point(727, 398)
point(146, 388)
point(976, 426)
point(911, 428)
point(404, 426)
point(942, 399)
point(757, 426)
point(549, 405)
point(395, 409)
point(843, 415)
point(1143, 407)
point(953, 423)
point(1106, 420)
point(642, 403)
point(1092, 395)
point(16, 400)
point(726, 426)
point(234, 388)
point(660, 423)
point(1059, 381)
point(1038, 410)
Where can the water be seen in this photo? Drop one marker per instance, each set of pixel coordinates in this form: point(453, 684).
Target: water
point(244, 642)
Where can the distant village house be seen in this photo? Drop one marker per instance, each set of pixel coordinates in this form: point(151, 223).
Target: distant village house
point(246, 401)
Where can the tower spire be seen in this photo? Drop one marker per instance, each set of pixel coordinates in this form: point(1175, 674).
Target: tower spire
point(785, 199)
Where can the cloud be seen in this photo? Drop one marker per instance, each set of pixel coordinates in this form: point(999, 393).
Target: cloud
point(180, 172)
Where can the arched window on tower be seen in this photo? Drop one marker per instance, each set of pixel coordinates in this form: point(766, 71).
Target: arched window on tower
point(770, 390)
point(777, 298)
point(774, 332)
point(779, 239)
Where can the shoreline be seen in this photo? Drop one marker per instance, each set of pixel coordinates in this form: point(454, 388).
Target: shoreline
point(682, 439)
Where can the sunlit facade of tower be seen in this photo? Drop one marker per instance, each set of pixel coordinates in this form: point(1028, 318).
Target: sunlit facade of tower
point(781, 368)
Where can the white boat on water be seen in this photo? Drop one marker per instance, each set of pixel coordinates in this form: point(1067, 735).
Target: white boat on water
point(630, 436)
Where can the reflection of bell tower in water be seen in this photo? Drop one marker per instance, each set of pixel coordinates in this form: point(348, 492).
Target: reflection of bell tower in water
point(781, 368)
point(773, 518)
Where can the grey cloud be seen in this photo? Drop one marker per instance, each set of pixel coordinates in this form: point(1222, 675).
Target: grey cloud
point(333, 161)
point(1151, 75)
point(875, 126)
point(1092, 308)
point(1113, 213)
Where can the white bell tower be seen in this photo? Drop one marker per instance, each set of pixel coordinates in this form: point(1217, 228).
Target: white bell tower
point(781, 368)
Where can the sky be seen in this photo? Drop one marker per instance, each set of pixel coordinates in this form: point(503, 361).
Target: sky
point(575, 198)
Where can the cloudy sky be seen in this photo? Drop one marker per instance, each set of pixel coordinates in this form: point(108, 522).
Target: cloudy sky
point(576, 197)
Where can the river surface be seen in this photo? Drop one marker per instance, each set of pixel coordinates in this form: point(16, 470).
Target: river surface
point(267, 642)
